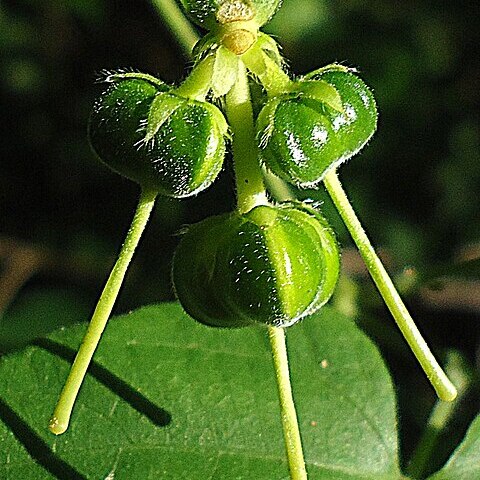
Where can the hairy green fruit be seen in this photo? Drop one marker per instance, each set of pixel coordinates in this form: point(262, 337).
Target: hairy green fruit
point(273, 265)
point(326, 119)
point(211, 14)
point(164, 142)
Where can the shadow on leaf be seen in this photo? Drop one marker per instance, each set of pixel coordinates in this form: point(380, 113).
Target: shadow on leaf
point(39, 450)
point(158, 416)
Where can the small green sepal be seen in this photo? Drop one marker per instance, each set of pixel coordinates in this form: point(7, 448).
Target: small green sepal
point(322, 91)
point(225, 71)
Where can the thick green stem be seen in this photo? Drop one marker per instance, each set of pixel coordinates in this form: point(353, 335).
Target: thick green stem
point(251, 192)
point(291, 432)
point(181, 28)
point(63, 410)
point(440, 382)
point(248, 173)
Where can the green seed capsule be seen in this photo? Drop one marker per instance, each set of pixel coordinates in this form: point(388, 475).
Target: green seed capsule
point(162, 141)
point(194, 272)
point(273, 265)
point(326, 120)
point(210, 14)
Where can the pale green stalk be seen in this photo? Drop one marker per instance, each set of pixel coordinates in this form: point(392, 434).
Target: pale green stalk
point(181, 28)
point(61, 415)
point(198, 83)
point(439, 380)
point(279, 189)
point(291, 431)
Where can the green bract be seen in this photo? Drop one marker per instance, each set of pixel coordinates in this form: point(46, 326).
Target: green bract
point(164, 142)
point(272, 265)
point(212, 13)
point(326, 118)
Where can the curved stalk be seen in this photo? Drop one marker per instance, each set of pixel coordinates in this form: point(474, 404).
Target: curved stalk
point(439, 380)
point(269, 73)
point(277, 188)
point(63, 410)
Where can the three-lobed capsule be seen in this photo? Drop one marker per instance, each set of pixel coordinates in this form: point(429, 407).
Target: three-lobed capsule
point(166, 143)
point(273, 265)
point(309, 130)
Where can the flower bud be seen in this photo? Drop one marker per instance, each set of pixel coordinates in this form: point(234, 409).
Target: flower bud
point(327, 118)
point(162, 141)
point(210, 14)
point(273, 265)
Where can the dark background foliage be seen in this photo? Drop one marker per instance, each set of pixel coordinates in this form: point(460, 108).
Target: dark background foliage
point(63, 215)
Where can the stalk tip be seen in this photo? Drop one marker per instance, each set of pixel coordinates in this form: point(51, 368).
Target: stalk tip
point(57, 427)
point(448, 393)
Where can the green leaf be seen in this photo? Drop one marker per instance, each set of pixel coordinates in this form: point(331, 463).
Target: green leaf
point(464, 464)
point(169, 398)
